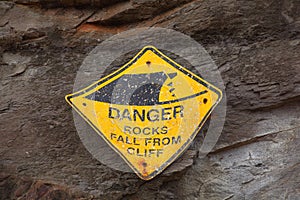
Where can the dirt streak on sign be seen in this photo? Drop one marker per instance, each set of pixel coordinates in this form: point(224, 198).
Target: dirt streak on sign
point(148, 111)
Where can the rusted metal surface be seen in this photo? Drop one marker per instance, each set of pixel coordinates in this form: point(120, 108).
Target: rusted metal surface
point(149, 111)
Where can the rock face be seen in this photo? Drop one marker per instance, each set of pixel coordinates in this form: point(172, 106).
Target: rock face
point(255, 44)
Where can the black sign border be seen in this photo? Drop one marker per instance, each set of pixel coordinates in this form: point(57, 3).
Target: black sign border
point(180, 151)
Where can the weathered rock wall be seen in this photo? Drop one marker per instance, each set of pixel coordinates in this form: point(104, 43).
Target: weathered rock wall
point(255, 44)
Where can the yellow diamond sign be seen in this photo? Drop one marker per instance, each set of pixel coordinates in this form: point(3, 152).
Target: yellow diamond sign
point(148, 111)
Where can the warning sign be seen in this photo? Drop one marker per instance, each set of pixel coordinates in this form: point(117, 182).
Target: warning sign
point(148, 111)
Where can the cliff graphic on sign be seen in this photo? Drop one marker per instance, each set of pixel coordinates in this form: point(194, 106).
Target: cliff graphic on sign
point(148, 111)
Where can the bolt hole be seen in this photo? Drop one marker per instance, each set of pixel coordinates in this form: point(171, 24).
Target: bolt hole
point(144, 164)
point(84, 104)
point(205, 100)
point(148, 62)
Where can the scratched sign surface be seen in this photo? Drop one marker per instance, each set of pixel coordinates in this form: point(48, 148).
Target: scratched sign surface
point(148, 111)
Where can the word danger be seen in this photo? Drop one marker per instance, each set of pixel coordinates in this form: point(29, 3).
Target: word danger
point(146, 114)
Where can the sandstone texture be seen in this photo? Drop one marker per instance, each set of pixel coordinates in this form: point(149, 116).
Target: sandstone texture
point(256, 46)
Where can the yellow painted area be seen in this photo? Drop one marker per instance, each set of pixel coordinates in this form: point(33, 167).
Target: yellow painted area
point(150, 137)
